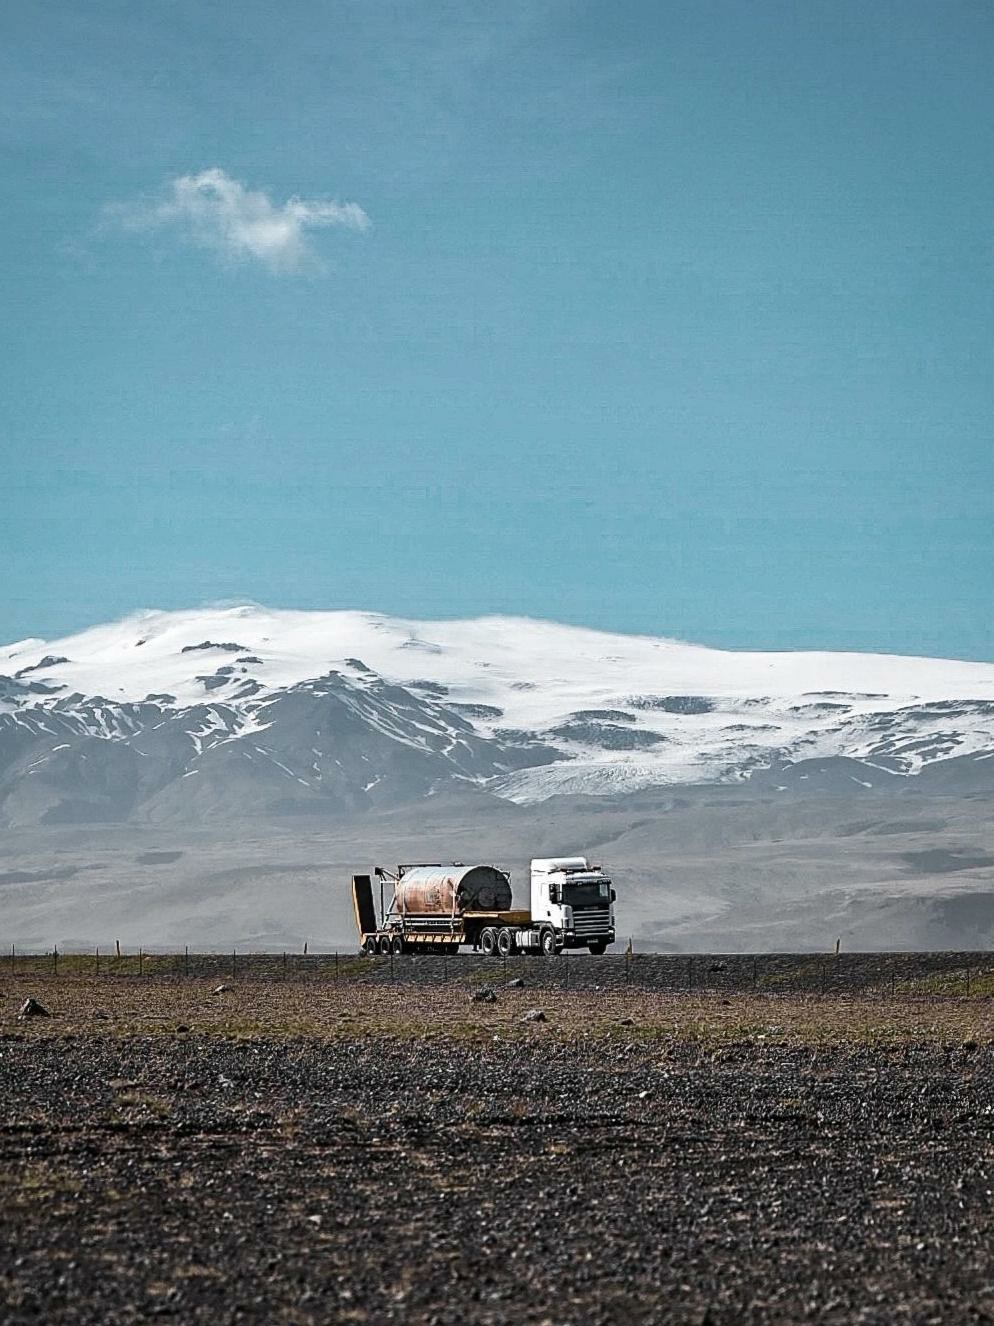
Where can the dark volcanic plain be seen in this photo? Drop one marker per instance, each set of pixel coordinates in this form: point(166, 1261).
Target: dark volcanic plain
point(351, 1150)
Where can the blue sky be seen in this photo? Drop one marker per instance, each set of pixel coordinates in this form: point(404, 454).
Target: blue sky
point(662, 317)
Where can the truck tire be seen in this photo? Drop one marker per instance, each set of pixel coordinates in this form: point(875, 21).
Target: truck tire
point(598, 948)
point(384, 944)
point(488, 942)
point(547, 942)
point(369, 945)
point(505, 941)
point(397, 945)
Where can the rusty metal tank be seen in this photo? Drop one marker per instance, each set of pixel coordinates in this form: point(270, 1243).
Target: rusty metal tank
point(451, 890)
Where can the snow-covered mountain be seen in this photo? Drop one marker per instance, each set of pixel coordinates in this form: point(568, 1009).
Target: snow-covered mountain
point(238, 712)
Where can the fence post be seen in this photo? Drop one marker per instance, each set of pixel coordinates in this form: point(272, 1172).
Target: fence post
point(55, 960)
point(232, 962)
point(391, 962)
point(12, 959)
point(628, 965)
point(445, 966)
point(690, 975)
point(186, 960)
point(97, 965)
point(566, 967)
point(337, 973)
point(141, 961)
point(755, 978)
point(968, 982)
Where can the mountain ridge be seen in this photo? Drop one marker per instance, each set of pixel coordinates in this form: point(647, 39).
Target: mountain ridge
point(244, 710)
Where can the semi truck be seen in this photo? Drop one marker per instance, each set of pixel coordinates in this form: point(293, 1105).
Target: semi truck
point(440, 908)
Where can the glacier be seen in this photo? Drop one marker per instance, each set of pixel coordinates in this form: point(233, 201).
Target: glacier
point(280, 710)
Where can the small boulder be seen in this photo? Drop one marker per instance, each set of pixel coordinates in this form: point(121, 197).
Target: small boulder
point(485, 995)
point(516, 984)
point(534, 1015)
point(32, 1009)
point(626, 1022)
point(220, 989)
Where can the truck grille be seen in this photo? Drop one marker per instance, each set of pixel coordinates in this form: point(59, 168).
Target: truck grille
point(592, 921)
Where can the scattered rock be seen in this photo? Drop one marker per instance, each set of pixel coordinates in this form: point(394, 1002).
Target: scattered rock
point(32, 1009)
point(485, 995)
point(220, 989)
point(534, 1015)
point(182, 1027)
point(516, 984)
point(970, 1047)
point(228, 647)
point(724, 1204)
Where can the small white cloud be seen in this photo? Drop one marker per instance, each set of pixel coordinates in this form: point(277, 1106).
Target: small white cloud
point(219, 213)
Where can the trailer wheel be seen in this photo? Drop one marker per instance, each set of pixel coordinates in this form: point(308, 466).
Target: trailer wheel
point(547, 942)
point(505, 941)
point(384, 944)
point(396, 944)
point(488, 942)
point(369, 945)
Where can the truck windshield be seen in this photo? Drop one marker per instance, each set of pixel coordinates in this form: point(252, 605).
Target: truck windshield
point(593, 893)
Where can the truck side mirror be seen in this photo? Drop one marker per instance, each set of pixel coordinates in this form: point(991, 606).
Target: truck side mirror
point(614, 896)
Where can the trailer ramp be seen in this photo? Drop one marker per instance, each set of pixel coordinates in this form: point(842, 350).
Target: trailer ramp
point(362, 901)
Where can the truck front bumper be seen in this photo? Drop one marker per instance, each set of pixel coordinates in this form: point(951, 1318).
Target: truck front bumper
point(572, 940)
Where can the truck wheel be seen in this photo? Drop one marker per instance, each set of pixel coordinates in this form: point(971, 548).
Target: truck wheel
point(547, 941)
point(369, 945)
point(598, 948)
point(505, 942)
point(384, 944)
point(397, 944)
point(488, 942)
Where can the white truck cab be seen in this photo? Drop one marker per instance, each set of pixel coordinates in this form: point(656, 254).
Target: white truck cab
point(572, 904)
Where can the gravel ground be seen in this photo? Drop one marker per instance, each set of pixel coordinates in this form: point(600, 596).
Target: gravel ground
point(802, 973)
point(312, 1152)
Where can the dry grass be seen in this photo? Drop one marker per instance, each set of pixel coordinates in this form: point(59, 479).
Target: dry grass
point(349, 1009)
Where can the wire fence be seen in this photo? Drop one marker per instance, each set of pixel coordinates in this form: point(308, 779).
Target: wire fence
point(952, 974)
